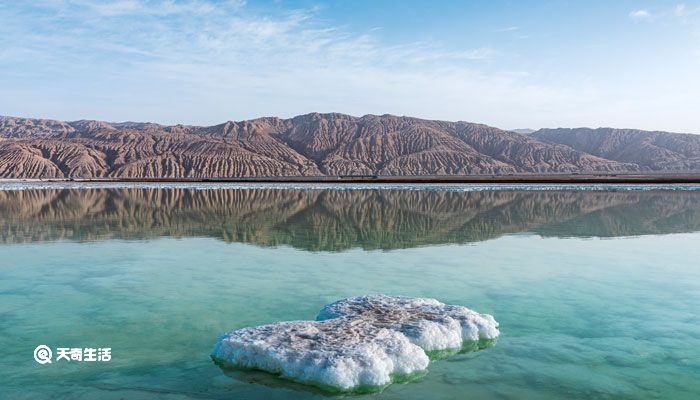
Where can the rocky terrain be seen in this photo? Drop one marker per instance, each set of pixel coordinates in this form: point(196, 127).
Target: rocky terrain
point(326, 145)
point(655, 151)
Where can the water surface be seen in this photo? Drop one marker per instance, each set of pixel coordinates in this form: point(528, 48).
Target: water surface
point(597, 291)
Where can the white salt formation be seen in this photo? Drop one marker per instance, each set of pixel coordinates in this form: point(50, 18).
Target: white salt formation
point(357, 343)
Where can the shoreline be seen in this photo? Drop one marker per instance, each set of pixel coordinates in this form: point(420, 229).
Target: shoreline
point(639, 178)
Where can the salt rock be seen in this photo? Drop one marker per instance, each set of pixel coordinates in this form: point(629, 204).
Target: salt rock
point(357, 344)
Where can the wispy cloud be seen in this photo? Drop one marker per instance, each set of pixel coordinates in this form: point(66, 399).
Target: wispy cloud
point(684, 12)
point(224, 34)
point(508, 29)
point(680, 11)
point(116, 8)
point(640, 14)
point(282, 62)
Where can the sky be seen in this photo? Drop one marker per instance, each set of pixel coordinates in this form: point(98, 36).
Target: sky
point(510, 64)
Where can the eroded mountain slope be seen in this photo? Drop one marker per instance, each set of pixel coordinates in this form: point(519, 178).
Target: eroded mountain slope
point(325, 144)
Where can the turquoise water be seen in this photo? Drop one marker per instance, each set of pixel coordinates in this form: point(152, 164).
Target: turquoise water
point(597, 292)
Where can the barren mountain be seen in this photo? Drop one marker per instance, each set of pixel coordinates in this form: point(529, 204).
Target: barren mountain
point(656, 151)
point(322, 144)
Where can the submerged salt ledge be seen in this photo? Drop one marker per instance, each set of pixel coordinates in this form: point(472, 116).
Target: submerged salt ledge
point(357, 342)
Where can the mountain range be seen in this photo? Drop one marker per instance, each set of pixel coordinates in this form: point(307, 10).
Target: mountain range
point(328, 145)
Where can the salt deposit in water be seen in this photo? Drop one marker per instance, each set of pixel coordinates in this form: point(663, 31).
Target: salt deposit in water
point(359, 343)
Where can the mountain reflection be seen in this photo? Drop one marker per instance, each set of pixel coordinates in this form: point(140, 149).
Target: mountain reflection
point(331, 220)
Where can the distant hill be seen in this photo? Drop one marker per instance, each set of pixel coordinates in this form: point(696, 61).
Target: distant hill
point(656, 151)
point(524, 131)
point(326, 144)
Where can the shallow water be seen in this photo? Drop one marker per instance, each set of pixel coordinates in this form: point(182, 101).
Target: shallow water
point(597, 291)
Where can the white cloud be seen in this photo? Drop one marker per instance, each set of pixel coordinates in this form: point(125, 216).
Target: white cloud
point(679, 10)
point(115, 8)
point(640, 14)
point(120, 8)
point(686, 13)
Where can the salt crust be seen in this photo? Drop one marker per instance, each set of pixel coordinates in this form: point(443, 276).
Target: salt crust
point(359, 342)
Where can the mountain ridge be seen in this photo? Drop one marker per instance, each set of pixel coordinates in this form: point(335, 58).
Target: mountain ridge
point(330, 144)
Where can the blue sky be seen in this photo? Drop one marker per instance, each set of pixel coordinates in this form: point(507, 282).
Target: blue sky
point(511, 64)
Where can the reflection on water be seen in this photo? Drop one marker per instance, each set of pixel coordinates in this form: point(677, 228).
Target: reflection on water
point(579, 318)
point(331, 220)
